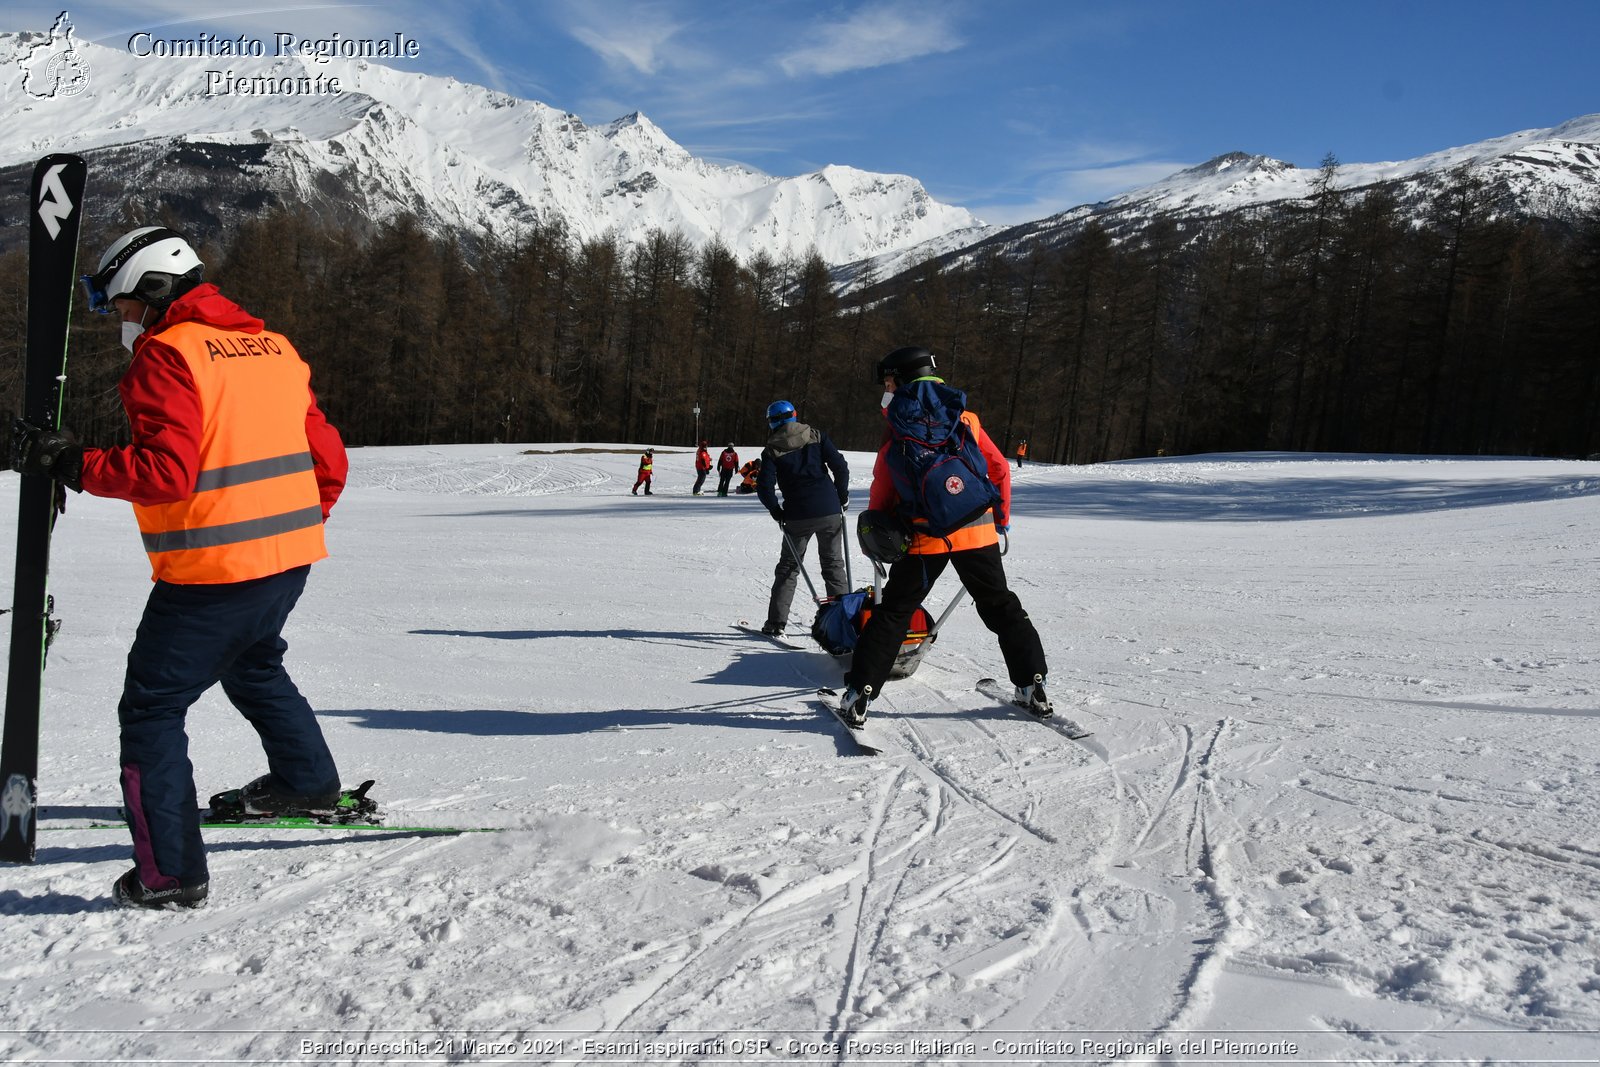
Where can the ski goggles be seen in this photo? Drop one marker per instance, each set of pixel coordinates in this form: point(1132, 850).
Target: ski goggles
point(95, 287)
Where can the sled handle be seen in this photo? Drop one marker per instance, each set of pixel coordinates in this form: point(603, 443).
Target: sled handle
point(844, 541)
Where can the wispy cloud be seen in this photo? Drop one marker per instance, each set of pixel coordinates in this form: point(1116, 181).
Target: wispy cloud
point(642, 38)
point(1084, 173)
point(638, 47)
point(872, 37)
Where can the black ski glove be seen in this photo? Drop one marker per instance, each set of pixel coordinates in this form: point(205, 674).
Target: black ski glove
point(51, 453)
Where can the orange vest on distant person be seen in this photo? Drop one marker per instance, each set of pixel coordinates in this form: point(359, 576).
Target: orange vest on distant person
point(255, 510)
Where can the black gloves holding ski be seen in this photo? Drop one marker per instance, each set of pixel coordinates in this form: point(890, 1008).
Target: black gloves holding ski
point(51, 453)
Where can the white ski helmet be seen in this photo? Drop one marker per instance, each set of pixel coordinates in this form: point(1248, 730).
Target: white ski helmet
point(152, 264)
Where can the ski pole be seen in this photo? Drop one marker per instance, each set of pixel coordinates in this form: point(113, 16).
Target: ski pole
point(801, 564)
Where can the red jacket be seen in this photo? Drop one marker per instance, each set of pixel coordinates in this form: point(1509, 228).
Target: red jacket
point(163, 408)
point(702, 460)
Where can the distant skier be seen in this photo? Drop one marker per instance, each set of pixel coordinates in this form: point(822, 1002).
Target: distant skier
point(702, 466)
point(922, 400)
point(1022, 452)
point(232, 472)
point(800, 462)
point(647, 467)
point(727, 463)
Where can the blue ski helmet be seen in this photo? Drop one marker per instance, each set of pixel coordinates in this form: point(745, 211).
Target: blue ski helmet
point(779, 412)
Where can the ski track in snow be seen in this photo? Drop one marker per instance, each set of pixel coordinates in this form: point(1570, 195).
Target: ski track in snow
point(1340, 782)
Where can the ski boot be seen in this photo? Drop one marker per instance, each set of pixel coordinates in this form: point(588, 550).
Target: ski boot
point(129, 892)
point(1032, 698)
point(258, 801)
point(853, 706)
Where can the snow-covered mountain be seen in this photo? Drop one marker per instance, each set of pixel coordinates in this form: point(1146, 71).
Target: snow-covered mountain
point(459, 156)
point(467, 159)
point(1544, 173)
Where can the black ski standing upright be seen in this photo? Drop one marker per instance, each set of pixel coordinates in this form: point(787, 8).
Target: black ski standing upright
point(55, 209)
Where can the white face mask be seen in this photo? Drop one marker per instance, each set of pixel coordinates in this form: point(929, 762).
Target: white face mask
point(888, 395)
point(130, 334)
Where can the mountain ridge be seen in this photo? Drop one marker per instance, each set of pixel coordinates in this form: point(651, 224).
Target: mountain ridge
point(1549, 172)
point(464, 158)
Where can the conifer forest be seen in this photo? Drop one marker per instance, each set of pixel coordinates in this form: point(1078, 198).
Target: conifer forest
point(1345, 322)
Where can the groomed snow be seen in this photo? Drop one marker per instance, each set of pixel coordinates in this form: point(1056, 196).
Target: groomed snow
point(1340, 798)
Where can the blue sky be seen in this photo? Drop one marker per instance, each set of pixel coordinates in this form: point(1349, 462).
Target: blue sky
point(1015, 109)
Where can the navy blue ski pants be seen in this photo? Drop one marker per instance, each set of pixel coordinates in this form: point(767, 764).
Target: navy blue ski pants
point(192, 637)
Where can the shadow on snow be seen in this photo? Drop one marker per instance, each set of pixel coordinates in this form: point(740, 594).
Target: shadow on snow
point(1217, 499)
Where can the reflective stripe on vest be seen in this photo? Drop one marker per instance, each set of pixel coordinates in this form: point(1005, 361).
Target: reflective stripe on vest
point(256, 509)
point(240, 473)
point(232, 533)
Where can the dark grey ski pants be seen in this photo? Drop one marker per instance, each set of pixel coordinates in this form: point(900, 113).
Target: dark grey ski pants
point(829, 532)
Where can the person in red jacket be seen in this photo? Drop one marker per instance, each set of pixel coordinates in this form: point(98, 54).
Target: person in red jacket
point(232, 472)
point(702, 465)
point(727, 464)
point(973, 550)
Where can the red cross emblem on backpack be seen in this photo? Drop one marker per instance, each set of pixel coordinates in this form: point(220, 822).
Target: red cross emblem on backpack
point(953, 485)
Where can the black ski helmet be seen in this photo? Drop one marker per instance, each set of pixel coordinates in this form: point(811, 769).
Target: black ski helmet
point(904, 364)
point(883, 537)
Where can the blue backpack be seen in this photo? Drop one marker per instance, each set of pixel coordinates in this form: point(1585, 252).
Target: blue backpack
point(934, 460)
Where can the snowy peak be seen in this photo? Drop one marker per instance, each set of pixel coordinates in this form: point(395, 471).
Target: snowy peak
point(1561, 163)
point(637, 137)
point(457, 155)
point(1234, 174)
point(1234, 164)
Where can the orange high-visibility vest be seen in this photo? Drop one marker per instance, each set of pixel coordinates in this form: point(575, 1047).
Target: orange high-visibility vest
point(255, 510)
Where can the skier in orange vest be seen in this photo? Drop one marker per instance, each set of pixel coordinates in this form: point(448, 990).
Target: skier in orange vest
point(647, 467)
point(232, 472)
